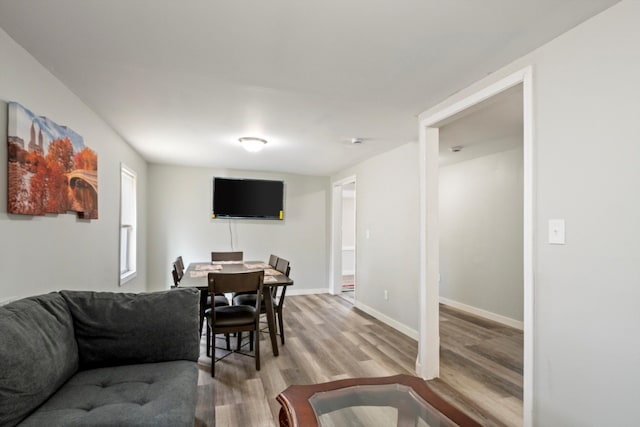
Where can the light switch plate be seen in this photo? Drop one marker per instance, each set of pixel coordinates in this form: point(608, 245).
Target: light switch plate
point(556, 232)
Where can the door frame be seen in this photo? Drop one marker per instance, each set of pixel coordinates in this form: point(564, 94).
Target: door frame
point(335, 261)
point(428, 362)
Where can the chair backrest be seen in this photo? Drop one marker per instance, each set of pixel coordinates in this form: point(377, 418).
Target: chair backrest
point(226, 256)
point(273, 260)
point(179, 269)
point(174, 273)
point(282, 266)
point(283, 290)
point(251, 281)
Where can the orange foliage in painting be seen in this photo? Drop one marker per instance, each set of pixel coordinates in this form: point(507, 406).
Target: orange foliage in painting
point(60, 153)
point(32, 160)
point(37, 185)
point(48, 186)
point(86, 159)
point(57, 190)
point(59, 161)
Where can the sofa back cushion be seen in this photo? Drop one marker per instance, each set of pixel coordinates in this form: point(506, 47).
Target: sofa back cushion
point(38, 353)
point(123, 328)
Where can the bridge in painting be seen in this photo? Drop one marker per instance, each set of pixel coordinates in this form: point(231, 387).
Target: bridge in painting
point(88, 176)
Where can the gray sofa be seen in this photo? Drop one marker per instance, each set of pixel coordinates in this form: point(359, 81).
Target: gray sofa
point(74, 358)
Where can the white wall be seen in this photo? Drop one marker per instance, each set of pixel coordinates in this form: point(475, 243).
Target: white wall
point(53, 252)
point(481, 223)
point(586, 150)
point(180, 201)
point(387, 205)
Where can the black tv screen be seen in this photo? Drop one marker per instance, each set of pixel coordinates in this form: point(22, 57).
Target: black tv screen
point(248, 198)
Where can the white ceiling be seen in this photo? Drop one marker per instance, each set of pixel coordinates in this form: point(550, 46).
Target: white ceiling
point(491, 126)
point(182, 80)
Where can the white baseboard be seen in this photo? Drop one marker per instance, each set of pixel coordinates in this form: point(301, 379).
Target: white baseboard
point(293, 291)
point(411, 333)
point(517, 324)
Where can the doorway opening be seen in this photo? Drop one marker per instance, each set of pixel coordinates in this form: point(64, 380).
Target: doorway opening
point(347, 291)
point(431, 123)
point(481, 252)
point(343, 240)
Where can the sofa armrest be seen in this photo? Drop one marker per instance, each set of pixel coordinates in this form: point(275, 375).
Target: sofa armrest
point(124, 328)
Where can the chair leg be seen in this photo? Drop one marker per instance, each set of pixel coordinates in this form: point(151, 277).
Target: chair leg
point(257, 348)
point(280, 326)
point(239, 343)
point(250, 341)
point(212, 350)
point(208, 341)
point(228, 342)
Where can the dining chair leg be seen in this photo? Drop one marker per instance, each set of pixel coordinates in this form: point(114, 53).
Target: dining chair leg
point(213, 365)
point(256, 332)
point(208, 341)
point(239, 343)
point(228, 342)
point(280, 326)
point(251, 341)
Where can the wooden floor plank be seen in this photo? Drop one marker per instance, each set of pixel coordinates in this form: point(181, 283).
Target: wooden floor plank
point(328, 339)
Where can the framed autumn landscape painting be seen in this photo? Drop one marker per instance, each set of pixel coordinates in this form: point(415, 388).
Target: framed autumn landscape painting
point(50, 168)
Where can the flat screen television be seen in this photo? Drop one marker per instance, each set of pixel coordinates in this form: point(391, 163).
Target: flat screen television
point(248, 198)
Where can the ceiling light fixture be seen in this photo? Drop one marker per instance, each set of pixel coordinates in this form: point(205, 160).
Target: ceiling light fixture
point(252, 144)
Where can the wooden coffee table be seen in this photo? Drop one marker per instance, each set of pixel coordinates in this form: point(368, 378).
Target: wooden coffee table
point(401, 400)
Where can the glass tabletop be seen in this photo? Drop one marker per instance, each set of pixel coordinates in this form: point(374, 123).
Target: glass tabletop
point(375, 405)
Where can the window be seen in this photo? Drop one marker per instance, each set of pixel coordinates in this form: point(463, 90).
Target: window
point(127, 224)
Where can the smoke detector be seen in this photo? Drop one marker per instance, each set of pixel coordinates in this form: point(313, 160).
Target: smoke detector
point(356, 141)
point(456, 148)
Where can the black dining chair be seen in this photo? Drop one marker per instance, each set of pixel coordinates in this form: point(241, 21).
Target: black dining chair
point(175, 276)
point(227, 256)
point(219, 300)
point(276, 297)
point(235, 318)
point(180, 263)
point(179, 268)
point(283, 267)
point(273, 260)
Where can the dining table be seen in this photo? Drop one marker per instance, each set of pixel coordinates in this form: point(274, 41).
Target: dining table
point(196, 276)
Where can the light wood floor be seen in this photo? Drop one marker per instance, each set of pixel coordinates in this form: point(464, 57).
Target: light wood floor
point(481, 367)
point(348, 292)
point(328, 339)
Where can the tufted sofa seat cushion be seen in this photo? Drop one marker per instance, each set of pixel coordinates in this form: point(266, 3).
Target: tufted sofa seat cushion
point(153, 394)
